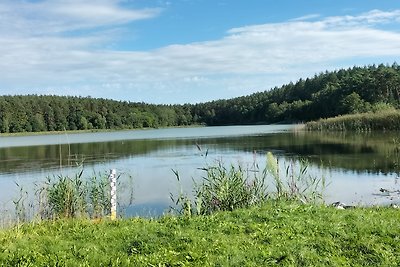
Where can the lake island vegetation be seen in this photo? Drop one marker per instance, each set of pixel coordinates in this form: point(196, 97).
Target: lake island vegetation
point(329, 94)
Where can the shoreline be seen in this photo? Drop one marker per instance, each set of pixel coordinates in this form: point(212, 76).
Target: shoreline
point(91, 131)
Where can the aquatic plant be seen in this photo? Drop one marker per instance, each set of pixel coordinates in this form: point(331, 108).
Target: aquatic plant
point(296, 183)
point(384, 120)
point(226, 188)
point(75, 196)
point(182, 203)
point(21, 205)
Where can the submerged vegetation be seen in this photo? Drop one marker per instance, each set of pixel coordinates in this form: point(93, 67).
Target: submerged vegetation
point(387, 120)
point(329, 94)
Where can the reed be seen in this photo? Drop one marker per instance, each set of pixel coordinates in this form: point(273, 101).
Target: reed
point(227, 188)
point(295, 183)
point(67, 196)
point(385, 120)
point(20, 205)
point(76, 196)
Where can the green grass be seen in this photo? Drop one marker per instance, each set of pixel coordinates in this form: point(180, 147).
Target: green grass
point(387, 120)
point(275, 234)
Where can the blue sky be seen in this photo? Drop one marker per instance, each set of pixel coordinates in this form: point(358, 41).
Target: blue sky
point(186, 51)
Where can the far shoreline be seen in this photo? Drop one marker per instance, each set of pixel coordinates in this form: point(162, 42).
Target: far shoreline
point(93, 131)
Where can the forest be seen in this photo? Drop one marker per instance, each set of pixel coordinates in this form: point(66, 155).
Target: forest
point(328, 94)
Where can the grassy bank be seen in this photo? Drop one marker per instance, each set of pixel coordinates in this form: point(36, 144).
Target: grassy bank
point(388, 120)
point(275, 234)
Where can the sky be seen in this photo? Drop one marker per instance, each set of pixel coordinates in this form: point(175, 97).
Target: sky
point(186, 51)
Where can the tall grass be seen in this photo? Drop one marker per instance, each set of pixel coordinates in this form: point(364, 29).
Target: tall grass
point(68, 196)
point(386, 120)
point(20, 204)
point(226, 188)
point(64, 196)
point(396, 160)
point(75, 196)
point(295, 183)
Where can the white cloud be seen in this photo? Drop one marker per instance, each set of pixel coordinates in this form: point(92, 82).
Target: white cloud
point(368, 19)
point(246, 59)
point(306, 17)
point(59, 16)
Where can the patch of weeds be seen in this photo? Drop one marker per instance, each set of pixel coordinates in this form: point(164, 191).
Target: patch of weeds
point(226, 188)
point(75, 196)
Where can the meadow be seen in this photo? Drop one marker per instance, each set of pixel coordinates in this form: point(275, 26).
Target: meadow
point(277, 233)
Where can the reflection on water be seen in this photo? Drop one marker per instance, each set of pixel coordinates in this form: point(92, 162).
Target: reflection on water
point(359, 152)
point(358, 164)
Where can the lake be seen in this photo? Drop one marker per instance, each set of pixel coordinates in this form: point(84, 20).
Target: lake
point(356, 166)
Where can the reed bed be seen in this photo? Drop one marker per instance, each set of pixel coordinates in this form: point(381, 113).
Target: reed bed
point(230, 187)
point(222, 188)
point(387, 120)
point(64, 197)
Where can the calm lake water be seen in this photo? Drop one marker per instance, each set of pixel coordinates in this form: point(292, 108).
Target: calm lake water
point(355, 165)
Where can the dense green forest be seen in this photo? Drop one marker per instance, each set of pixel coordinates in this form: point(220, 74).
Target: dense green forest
point(345, 91)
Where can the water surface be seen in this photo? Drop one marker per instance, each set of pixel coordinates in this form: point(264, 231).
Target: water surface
point(356, 165)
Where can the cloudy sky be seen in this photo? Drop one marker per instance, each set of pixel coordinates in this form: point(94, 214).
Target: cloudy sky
point(186, 51)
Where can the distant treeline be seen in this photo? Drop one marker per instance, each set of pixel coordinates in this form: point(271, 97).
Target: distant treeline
point(346, 91)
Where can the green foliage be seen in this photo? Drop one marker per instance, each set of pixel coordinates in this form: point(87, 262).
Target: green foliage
point(329, 94)
point(229, 188)
point(74, 197)
point(295, 183)
point(352, 104)
point(34, 113)
point(275, 234)
point(387, 119)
